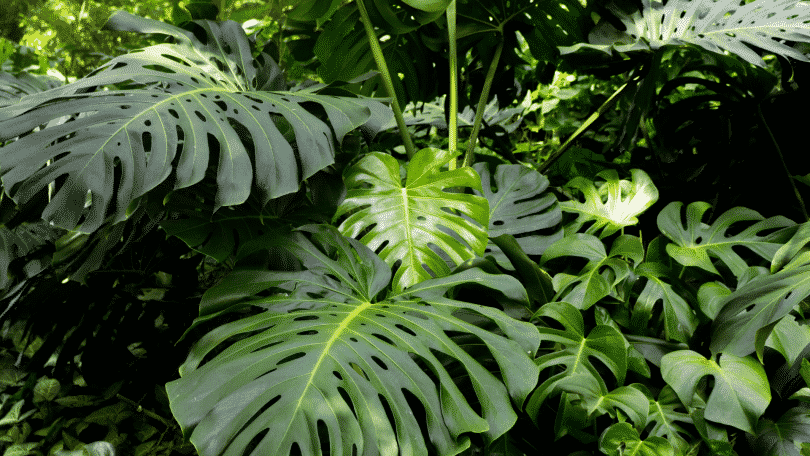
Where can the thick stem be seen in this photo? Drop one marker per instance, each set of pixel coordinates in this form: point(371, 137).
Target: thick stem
point(379, 58)
point(452, 120)
point(482, 104)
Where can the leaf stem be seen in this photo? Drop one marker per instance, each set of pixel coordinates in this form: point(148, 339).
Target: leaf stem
point(452, 120)
point(782, 161)
point(601, 110)
point(482, 103)
point(379, 58)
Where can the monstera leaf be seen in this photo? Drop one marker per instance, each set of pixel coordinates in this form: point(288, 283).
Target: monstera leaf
point(621, 438)
point(613, 205)
point(519, 205)
point(327, 368)
point(604, 343)
point(170, 108)
point(664, 413)
point(627, 398)
point(741, 391)
point(717, 26)
point(751, 312)
point(402, 221)
point(14, 87)
point(680, 321)
point(694, 242)
point(779, 437)
point(599, 277)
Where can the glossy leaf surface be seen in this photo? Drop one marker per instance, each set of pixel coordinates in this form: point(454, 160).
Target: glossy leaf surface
point(741, 391)
point(329, 356)
point(400, 221)
point(188, 103)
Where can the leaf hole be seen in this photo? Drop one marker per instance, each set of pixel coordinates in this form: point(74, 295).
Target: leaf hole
point(200, 116)
point(159, 68)
point(379, 362)
point(306, 318)
point(310, 332)
point(384, 339)
point(221, 105)
point(146, 138)
point(323, 437)
point(266, 346)
point(418, 410)
point(405, 329)
point(359, 370)
point(347, 399)
point(292, 357)
point(381, 247)
point(254, 442)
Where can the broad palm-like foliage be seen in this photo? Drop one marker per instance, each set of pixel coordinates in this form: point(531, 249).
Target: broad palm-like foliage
point(171, 109)
point(342, 354)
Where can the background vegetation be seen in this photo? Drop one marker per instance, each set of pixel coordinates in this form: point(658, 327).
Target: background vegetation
point(608, 245)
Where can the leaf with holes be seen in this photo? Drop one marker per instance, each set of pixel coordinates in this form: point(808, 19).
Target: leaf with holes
point(171, 109)
point(741, 391)
point(665, 414)
point(520, 205)
point(679, 319)
point(696, 242)
point(717, 26)
point(600, 276)
point(605, 343)
point(612, 204)
point(330, 363)
point(748, 313)
point(401, 222)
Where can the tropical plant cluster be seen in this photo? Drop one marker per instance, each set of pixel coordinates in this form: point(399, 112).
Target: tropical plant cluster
point(256, 235)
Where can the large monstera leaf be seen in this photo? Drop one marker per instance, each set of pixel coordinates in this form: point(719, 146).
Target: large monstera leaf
point(327, 368)
point(696, 242)
point(170, 108)
point(717, 26)
point(400, 222)
point(751, 312)
point(741, 392)
point(612, 203)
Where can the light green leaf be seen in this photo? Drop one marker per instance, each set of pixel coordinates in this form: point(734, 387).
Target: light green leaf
point(621, 439)
point(762, 301)
point(711, 296)
point(791, 248)
point(329, 354)
point(46, 389)
point(741, 391)
point(695, 242)
point(611, 205)
point(400, 222)
point(788, 338)
point(722, 25)
point(603, 342)
point(665, 413)
point(599, 277)
point(627, 398)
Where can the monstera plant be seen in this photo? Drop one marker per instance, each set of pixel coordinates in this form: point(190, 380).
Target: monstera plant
point(435, 306)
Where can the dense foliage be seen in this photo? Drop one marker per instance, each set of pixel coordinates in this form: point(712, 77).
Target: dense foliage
point(334, 271)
